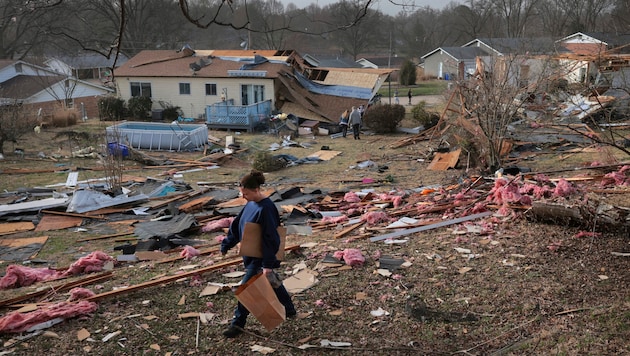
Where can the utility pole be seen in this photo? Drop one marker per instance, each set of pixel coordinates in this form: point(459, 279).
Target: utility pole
point(389, 63)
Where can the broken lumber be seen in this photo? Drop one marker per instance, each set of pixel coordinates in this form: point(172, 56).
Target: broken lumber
point(590, 212)
point(430, 227)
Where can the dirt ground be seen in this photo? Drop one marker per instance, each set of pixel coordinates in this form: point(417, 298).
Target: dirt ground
point(505, 284)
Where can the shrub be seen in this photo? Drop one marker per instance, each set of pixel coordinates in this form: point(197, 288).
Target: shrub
point(111, 108)
point(384, 118)
point(423, 117)
point(265, 162)
point(171, 113)
point(407, 73)
point(139, 106)
point(65, 117)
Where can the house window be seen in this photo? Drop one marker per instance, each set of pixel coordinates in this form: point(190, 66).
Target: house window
point(184, 88)
point(211, 89)
point(140, 89)
point(252, 94)
point(18, 67)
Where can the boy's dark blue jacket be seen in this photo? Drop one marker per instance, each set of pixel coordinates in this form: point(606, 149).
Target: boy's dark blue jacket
point(266, 215)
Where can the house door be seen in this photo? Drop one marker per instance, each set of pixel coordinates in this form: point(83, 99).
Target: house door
point(252, 94)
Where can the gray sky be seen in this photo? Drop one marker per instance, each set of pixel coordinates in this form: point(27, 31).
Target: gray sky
point(383, 5)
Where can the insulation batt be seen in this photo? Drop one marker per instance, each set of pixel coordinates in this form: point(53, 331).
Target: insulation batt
point(21, 276)
point(351, 197)
point(79, 294)
point(189, 252)
point(18, 276)
point(16, 322)
point(334, 219)
point(217, 225)
point(351, 256)
point(375, 217)
point(564, 188)
point(619, 177)
point(93, 262)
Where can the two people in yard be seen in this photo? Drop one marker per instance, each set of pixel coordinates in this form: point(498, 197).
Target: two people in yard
point(355, 121)
point(260, 210)
point(396, 100)
point(343, 122)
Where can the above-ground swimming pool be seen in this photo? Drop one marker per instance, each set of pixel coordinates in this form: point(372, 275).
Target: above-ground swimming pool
point(159, 136)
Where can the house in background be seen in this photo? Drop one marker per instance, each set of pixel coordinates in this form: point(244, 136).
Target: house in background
point(91, 67)
point(596, 59)
point(46, 91)
point(452, 63)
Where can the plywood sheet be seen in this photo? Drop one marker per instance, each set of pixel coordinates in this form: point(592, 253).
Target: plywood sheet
point(21, 249)
point(58, 222)
point(325, 155)
point(10, 228)
point(444, 161)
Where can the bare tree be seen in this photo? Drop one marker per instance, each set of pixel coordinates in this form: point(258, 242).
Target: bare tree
point(15, 122)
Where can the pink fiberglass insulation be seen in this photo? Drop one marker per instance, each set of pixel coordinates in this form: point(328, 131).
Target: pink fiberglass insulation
point(564, 188)
point(334, 219)
point(351, 197)
point(20, 276)
point(93, 262)
point(217, 225)
point(619, 177)
point(395, 199)
point(504, 192)
point(80, 293)
point(16, 322)
point(375, 217)
point(536, 191)
point(189, 252)
point(351, 256)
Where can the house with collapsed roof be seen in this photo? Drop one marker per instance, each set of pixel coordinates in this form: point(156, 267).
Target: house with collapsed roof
point(236, 89)
point(596, 59)
point(46, 90)
point(91, 67)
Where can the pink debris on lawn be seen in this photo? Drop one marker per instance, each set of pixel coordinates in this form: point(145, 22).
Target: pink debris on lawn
point(19, 276)
point(587, 234)
point(375, 217)
point(619, 177)
point(189, 252)
point(16, 322)
point(334, 219)
point(94, 262)
point(80, 293)
point(217, 225)
point(564, 188)
point(351, 197)
point(396, 199)
point(351, 256)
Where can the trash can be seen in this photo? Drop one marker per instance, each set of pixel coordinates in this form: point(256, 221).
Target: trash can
point(117, 149)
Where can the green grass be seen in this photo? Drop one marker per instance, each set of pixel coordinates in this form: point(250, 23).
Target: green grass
point(430, 87)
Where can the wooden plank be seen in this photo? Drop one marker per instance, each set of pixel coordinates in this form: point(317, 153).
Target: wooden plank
point(349, 229)
point(165, 280)
point(87, 216)
point(102, 237)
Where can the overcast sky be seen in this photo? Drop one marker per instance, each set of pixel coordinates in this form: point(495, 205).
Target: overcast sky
point(383, 5)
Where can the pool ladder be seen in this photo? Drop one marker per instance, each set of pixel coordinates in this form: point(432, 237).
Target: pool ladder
point(184, 139)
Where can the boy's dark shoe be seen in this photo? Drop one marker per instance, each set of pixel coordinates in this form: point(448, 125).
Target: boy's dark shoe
point(291, 314)
point(232, 332)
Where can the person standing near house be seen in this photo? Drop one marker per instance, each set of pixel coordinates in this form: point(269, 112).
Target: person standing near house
point(409, 95)
point(260, 210)
point(396, 100)
point(343, 122)
point(355, 122)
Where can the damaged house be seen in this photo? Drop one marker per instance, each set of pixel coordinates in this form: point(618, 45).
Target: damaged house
point(237, 89)
point(46, 90)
